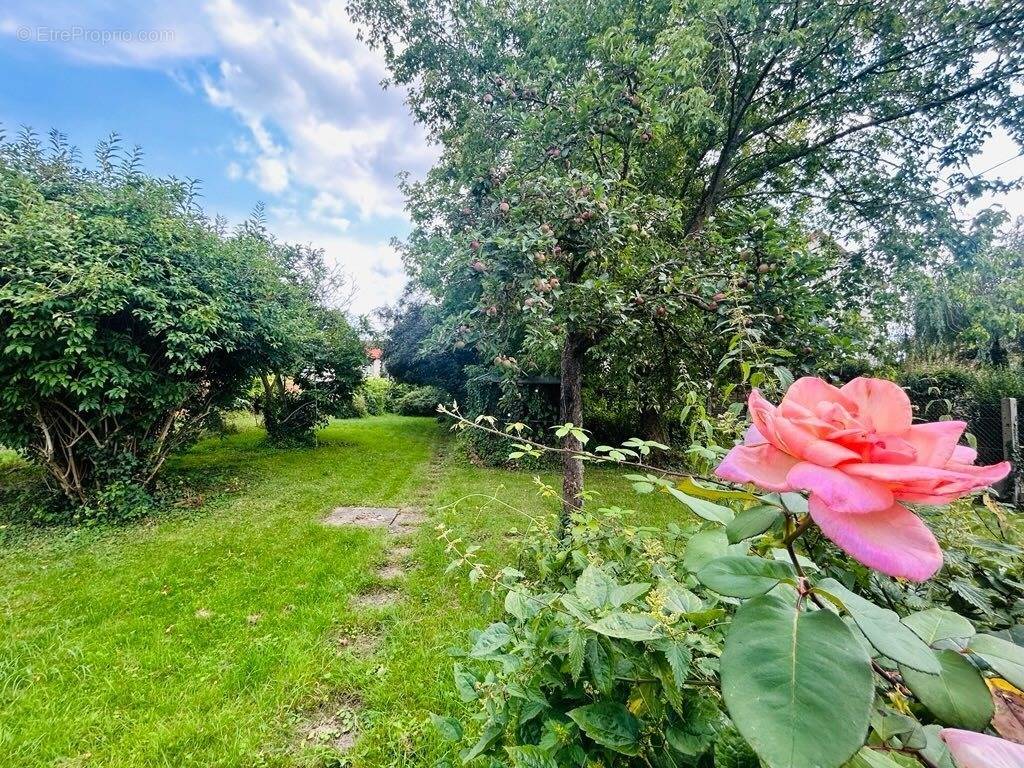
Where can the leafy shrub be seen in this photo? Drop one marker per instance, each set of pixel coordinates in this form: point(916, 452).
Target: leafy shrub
point(619, 644)
point(293, 417)
point(377, 395)
point(128, 320)
point(354, 408)
point(596, 644)
point(420, 401)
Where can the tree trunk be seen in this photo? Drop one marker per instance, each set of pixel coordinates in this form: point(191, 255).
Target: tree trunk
point(653, 426)
point(573, 350)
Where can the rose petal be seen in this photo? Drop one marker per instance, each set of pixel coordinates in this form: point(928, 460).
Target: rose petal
point(763, 465)
point(935, 441)
point(893, 541)
point(753, 436)
point(762, 415)
point(840, 491)
point(809, 393)
point(881, 403)
point(795, 441)
point(976, 750)
point(953, 478)
point(964, 454)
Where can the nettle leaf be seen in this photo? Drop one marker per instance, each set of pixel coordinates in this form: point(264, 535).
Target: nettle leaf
point(957, 696)
point(491, 640)
point(679, 657)
point(449, 728)
point(1003, 656)
point(628, 626)
point(465, 683)
point(752, 522)
point(744, 576)
point(521, 605)
point(798, 685)
point(530, 757)
point(627, 593)
point(599, 662)
point(708, 510)
point(610, 724)
point(594, 587)
point(488, 736)
point(883, 630)
point(938, 624)
point(677, 598)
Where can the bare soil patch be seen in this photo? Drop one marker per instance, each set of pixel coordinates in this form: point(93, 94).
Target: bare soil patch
point(380, 597)
point(335, 724)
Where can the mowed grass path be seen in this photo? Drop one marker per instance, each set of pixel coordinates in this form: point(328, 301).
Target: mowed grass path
point(206, 638)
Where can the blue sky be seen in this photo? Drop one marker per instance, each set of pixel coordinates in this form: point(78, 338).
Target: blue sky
point(272, 100)
point(260, 100)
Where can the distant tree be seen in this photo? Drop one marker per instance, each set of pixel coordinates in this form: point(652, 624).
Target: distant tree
point(972, 306)
point(412, 358)
point(312, 374)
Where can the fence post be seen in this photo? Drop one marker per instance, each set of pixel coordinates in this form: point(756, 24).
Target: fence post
point(1011, 490)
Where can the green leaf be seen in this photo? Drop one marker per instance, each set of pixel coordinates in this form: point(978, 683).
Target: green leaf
point(936, 751)
point(798, 685)
point(609, 724)
point(594, 587)
point(1004, 657)
point(752, 522)
point(871, 758)
point(627, 594)
point(521, 605)
point(465, 683)
point(600, 665)
point(703, 547)
point(491, 640)
point(677, 598)
point(957, 696)
point(449, 728)
point(937, 624)
point(744, 576)
point(678, 656)
point(628, 626)
point(884, 631)
point(489, 735)
point(530, 757)
point(716, 513)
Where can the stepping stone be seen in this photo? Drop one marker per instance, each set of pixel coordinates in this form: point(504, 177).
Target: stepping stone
point(366, 517)
point(376, 598)
point(407, 521)
point(399, 553)
point(391, 572)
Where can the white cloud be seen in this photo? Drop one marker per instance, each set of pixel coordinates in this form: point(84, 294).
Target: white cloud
point(317, 133)
point(375, 268)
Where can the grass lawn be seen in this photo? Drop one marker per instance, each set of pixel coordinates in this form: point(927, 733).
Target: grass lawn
point(215, 636)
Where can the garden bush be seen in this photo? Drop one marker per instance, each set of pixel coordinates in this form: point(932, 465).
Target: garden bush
point(377, 395)
point(128, 320)
point(420, 401)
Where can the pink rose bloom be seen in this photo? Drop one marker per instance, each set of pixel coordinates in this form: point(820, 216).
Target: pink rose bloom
point(855, 450)
point(976, 750)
